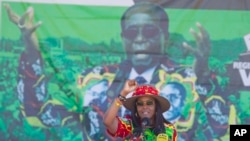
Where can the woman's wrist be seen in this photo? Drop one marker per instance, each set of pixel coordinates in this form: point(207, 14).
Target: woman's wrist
point(118, 102)
point(123, 93)
point(121, 98)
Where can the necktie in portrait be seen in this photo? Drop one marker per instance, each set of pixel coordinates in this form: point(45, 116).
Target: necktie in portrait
point(140, 80)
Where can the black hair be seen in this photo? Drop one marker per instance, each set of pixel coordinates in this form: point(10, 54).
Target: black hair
point(156, 11)
point(158, 123)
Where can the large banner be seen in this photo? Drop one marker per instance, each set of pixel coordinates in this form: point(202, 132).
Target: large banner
point(63, 63)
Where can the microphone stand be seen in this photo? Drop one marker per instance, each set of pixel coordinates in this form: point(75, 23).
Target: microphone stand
point(143, 133)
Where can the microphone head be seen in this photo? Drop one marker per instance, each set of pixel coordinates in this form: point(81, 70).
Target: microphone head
point(145, 121)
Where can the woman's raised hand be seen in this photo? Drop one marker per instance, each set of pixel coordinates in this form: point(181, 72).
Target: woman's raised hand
point(128, 87)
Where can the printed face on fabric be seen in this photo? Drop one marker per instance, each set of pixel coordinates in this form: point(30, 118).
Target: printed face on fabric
point(176, 94)
point(143, 38)
point(96, 93)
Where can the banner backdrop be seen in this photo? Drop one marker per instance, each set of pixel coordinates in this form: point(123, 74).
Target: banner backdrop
point(62, 90)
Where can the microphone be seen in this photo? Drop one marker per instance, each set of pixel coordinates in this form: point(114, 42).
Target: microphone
point(145, 122)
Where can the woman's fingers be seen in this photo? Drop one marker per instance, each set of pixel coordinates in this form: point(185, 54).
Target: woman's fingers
point(131, 82)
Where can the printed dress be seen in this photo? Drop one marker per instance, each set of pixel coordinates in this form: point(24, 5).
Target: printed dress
point(125, 131)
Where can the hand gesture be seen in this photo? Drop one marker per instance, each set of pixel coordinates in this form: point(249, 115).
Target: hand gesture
point(25, 24)
point(128, 87)
point(201, 53)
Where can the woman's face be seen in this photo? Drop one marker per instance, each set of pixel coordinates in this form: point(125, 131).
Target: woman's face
point(146, 107)
point(143, 39)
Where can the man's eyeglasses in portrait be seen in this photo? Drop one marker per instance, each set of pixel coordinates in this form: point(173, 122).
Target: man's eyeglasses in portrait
point(147, 31)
